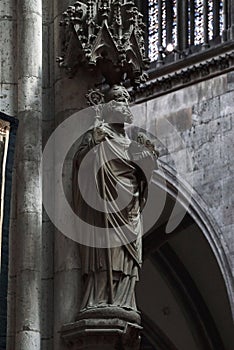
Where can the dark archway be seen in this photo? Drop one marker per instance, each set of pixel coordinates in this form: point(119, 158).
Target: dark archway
point(7, 123)
point(186, 288)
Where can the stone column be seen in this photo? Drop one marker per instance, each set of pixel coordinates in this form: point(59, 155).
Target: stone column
point(8, 79)
point(69, 98)
point(66, 260)
point(28, 176)
point(231, 17)
point(47, 274)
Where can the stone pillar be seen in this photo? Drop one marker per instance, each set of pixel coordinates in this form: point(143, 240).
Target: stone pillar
point(66, 260)
point(8, 79)
point(47, 274)
point(69, 98)
point(231, 17)
point(28, 176)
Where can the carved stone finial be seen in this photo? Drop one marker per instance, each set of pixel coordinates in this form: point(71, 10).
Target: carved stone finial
point(106, 36)
point(95, 97)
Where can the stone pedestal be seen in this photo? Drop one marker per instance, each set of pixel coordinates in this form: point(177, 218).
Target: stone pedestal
point(106, 328)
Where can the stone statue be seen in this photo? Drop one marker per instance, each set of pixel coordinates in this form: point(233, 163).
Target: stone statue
point(110, 273)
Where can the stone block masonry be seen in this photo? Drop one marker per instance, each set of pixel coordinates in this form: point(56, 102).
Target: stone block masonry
point(202, 115)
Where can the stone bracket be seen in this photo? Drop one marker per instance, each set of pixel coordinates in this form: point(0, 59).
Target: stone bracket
point(107, 328)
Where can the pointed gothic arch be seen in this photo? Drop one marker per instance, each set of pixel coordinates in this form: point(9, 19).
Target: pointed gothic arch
point(165, 260)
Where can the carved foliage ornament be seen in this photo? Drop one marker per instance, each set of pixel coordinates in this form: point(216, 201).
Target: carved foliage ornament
point(106, 36)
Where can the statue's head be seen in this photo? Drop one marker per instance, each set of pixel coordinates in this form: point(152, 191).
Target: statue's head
point(117, 112)
point(118, 93)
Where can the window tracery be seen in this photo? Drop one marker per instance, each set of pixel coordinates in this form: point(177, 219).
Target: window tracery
point(205, 21)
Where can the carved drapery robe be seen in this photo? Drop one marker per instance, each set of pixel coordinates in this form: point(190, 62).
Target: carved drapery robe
point(110, 173)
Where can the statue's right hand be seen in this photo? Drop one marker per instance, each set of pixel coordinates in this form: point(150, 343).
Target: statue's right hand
point(99, 134)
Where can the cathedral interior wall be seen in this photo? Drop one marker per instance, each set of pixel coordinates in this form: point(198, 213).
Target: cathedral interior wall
point(201, 116)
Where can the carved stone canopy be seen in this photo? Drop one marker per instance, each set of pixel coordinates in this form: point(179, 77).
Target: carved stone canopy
point(106, 36)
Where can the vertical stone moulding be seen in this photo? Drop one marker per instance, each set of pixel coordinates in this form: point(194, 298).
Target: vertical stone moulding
point(28, 173)
point(66, 260)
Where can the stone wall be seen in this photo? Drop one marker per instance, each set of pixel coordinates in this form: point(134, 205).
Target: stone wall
point(198, 143)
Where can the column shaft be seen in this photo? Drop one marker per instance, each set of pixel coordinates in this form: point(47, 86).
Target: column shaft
point(68, 94)
point(28, 176)
point(47, 274)
point(225, 20)
point(8, 78)
point(231, 24)
point(205, 23)
point(160, 32)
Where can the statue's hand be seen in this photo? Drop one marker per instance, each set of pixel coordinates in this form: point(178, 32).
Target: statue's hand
point(99, 134)
point(143, 156)
point(143, 140)
point(150, 146)
point(140, 152)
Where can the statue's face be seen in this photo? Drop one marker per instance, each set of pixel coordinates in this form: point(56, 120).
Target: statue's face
point(141, 139)
point(119, 93)
point(117, 109)
point(120, 112)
